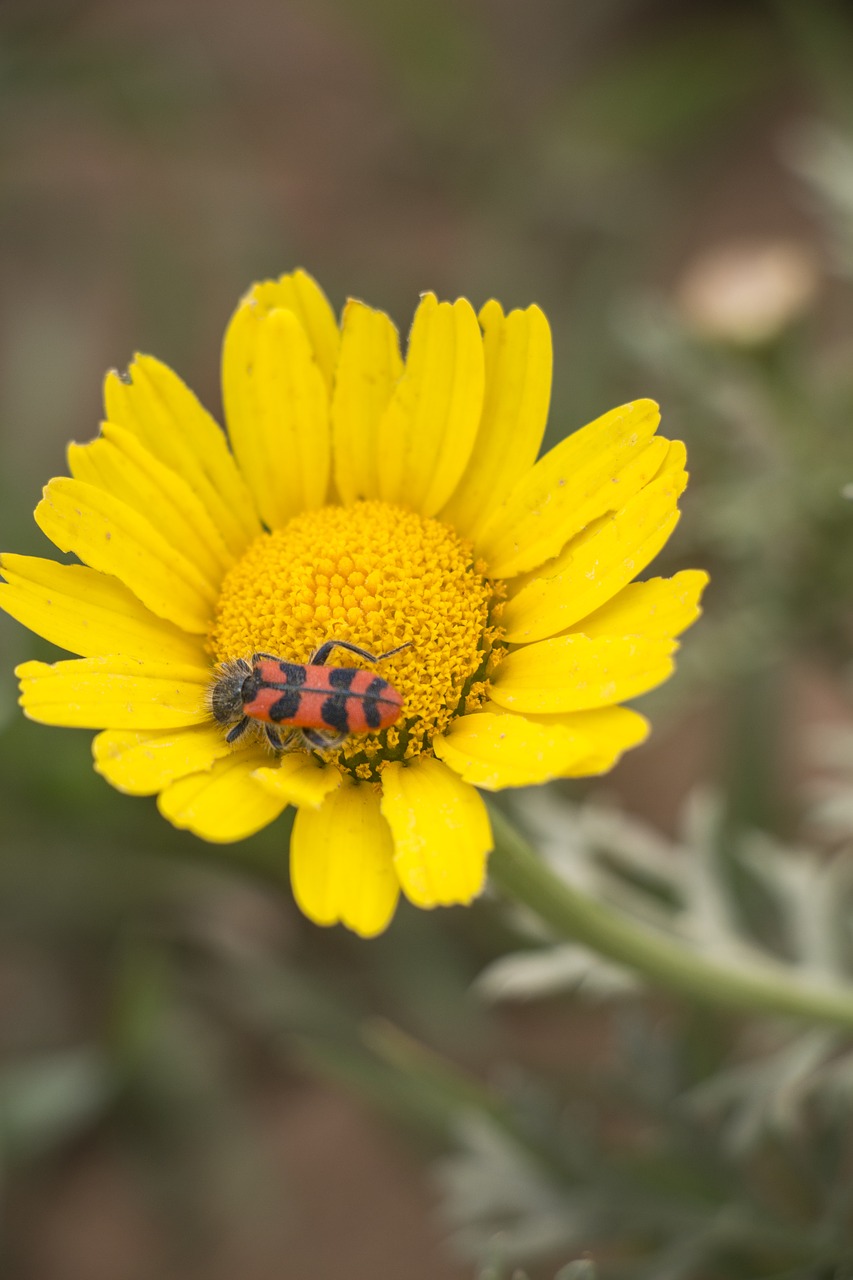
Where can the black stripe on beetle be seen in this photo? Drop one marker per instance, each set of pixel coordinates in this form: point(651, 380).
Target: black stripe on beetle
point(285, 707)
point(293, 674)
point(342, 677)
point(335, 713)
point(372, 694)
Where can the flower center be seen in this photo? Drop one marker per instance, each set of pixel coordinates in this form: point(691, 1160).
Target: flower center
point(378, 576)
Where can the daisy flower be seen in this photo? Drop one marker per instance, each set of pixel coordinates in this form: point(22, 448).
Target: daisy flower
point(390, 502)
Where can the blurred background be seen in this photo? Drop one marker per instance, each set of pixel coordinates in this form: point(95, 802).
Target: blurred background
point(194, 1081)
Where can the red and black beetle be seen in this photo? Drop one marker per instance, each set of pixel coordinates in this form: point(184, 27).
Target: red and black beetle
point(322, 704)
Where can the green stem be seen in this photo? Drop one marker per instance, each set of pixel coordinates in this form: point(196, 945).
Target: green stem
point(771, 987)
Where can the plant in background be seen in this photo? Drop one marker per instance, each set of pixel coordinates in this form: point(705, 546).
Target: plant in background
point(397, 508)
point(581, 1110)
point(687, 1146)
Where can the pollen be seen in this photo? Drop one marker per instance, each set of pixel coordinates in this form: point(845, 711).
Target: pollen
point(379, 576)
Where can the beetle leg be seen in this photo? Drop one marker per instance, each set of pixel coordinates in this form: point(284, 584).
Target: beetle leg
point(320, 741)
point(239, 729)
point(273, 737)
point(318, 658)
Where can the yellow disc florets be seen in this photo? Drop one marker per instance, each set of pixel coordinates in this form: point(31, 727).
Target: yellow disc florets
point(379, 576)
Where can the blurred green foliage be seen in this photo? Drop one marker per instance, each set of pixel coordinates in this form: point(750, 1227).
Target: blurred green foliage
point(165, 1011)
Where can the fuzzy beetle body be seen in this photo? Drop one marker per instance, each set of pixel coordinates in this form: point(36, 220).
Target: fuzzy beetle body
point(322, 704)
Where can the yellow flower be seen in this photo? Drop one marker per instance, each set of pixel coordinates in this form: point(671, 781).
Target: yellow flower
point(381, 501)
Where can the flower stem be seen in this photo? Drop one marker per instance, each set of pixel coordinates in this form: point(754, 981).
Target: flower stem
point(768, 986)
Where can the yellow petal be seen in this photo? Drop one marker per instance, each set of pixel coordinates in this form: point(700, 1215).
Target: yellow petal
point(341, 861)
point(587, 475)
point(494, 748)
point(609, 731)
point(162, 412)
point(299, 779)
point(143, 763)
point(576, 673)
point(117, 463)
point(494, 751)
point(427, 432)
point(110, 536)
point(277, 410)
point(441, 832)
point(518, 362)
point(659, 607)
point(89, 613)
point(114, 693)
point(223, 804)
point(369, 368)
point(596, 564)
point(298, 292)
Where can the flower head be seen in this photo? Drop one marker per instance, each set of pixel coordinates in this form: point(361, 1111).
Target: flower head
point(393, 505)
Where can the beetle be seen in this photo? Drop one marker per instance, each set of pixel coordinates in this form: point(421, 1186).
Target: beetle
point(320, 703)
